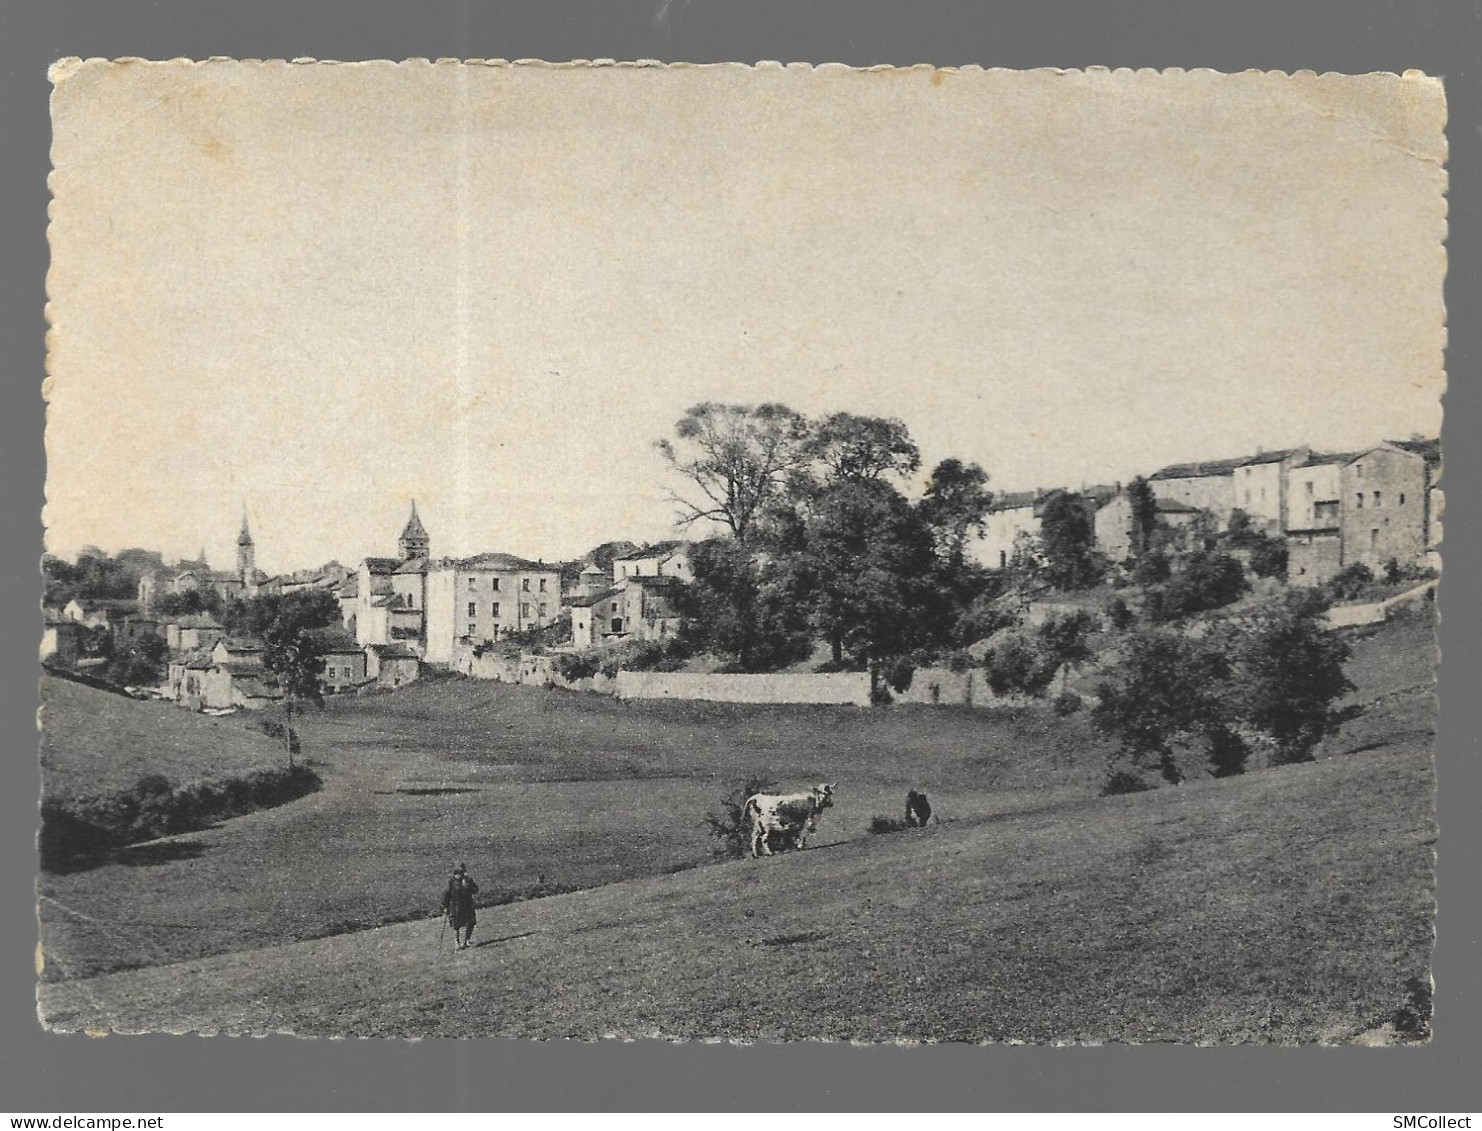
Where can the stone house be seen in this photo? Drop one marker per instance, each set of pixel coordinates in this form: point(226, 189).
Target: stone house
point(344, 659)
point(1206, 486)
point(596, 616)
point(663, 559)
point(192, 631)
point(1260, 487)
point(1113, 523)
point(392, 665)
point(1368, 507)
point(477, 600)
point(1012, 514)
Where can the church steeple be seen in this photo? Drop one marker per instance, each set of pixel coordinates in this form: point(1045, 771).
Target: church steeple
point(246, 552)
point(414, 542)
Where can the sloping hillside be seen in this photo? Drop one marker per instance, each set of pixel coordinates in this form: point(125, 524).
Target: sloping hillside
point(1291, 905)
point(94, 742)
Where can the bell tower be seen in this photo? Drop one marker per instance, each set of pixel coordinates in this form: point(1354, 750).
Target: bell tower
point(246, 553)
point(414, 542)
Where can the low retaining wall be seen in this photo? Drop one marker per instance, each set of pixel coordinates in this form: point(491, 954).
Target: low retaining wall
point(849, 688)
point(1351, 616)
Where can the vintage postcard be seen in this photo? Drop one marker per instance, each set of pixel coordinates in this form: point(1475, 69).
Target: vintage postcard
point(746, 553)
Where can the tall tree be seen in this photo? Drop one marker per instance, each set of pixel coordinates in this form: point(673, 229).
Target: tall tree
point(1144, 515)
point(1068, 541)
point(854, 448)
point(1289, 670)
point(737, 604)
point(737, 458)
point(292, 656)
point(955, 506)
point(868, 560)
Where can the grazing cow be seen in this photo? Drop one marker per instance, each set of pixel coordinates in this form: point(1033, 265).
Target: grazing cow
point(788, 816)
point(918, 809)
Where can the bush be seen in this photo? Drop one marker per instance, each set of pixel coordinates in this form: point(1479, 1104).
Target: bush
point(899, 673)
point(76, 831)
point(1153, 568)
point(1118, 614)
point(1017, 667)
point(880, 696)
point(574, 666)
point(1268, 556)
point(1208, 581)
point(1067, 703)
point(1351, 581)
point(1123, 781)
point(728, 823)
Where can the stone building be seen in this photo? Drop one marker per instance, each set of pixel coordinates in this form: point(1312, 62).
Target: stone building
point(471, 601)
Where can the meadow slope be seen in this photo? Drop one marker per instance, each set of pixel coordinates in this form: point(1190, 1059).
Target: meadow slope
point(1291, 905)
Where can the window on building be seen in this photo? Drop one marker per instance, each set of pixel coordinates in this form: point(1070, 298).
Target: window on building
point(1003, 559)
point(617, 624)
point(525, 584)
point(1378, 499)
point(472, 582)
point(1359, 500)
point(494, 609)
point(1309, 486)
point(1402, 498)
point(471, 630)
point(525, 610)
point(542, 610)
point(1373, 538)
point(1358, 469)
point(542, 584)
point(473, 610)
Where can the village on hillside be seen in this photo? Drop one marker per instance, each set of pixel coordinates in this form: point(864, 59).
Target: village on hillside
point(1317, 513)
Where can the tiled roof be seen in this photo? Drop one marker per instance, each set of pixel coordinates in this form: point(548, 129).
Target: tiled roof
point(657, 550)
point(393, 651)
point(491, 561)
point(413, 565)
point(351, 588)
point(382, 565)
point(583, 601)
point(414, 530)
point(1429, 450)
point(1173, 506)
point(335, 640)
point(1014, 500)
point(1321, 459)
point(1272, 457)
point(1199, 470)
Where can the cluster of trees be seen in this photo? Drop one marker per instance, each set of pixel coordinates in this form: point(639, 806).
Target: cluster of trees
point(1270, 678)
point(822, 541)
point(95, 574)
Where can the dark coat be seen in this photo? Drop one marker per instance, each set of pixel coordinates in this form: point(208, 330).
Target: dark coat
point(458, 901)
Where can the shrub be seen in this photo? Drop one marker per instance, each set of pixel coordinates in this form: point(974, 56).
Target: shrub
point(574, 666)
point(1268, 556)
point(1351, 581)
point(1208, 581)
point(1123, 781)
point(1153, 568)
point(74, 831)
point(1017, 667)
point(899, 673)
point(728, 823)
point(1118, 614)
point(1066, 703)
point(880, 696)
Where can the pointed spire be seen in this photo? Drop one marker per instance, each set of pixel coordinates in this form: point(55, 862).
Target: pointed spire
point(414, 527)
point(244, 538)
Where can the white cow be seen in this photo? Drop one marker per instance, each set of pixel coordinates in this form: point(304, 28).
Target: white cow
point(791, 816)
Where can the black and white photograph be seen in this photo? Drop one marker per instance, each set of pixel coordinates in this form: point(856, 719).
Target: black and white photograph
point(754, 553)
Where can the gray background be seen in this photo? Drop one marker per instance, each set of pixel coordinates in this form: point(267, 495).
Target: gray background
point(46, 1073)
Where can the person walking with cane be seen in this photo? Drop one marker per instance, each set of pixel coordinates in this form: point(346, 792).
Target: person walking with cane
point(458, 906)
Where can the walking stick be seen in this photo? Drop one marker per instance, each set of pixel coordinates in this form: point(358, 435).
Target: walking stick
point(442, 931)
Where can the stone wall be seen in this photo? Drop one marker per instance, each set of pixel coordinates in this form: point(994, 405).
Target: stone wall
point(836, 687)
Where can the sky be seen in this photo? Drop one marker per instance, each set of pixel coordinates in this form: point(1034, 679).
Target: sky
point(321, 291)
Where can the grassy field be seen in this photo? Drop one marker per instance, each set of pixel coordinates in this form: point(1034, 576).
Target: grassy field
point(550, 791)
point(1288, 906)
point(94, 742)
